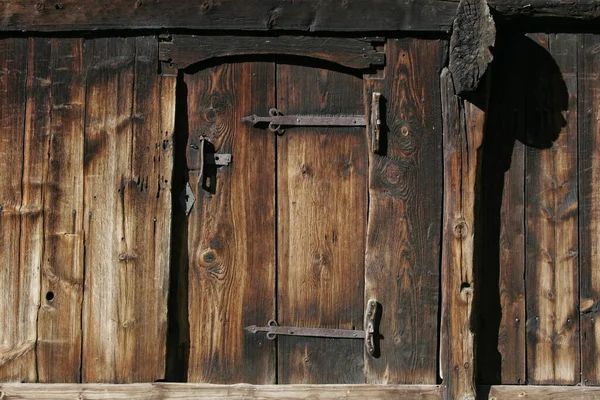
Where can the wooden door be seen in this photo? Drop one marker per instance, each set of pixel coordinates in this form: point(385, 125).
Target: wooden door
point(281, 232)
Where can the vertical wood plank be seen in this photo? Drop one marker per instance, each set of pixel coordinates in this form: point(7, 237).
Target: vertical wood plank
point(500, 281)
point(128, 164)
point(403, 239)
point(511, 335)
point(231, 231)
point(589, 204)
point(59, 317)
point(20, 208)
point(322, 211)
point(463, 126)
point(109, 64)
point(552, 221)
point(147, 224)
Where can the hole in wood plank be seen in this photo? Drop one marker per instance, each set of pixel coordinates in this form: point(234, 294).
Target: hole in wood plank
point(50, 296)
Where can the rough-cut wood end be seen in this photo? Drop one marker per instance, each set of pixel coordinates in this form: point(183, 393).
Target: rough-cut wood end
point(473, 37)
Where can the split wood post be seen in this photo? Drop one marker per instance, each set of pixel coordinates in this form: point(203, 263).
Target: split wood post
point(463, 134)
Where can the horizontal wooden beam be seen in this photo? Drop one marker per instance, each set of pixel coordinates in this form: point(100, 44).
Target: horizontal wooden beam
point(181, 51)
point(538, 392)
point(259, 15)
point(190, 391)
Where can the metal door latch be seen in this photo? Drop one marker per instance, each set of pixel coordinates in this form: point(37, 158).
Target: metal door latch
point(277, 120)
point(369, 334)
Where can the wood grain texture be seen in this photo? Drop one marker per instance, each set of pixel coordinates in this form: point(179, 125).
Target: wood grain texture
point(20, 208)
point(511, 334)
point(184, 50)
point(463, 126)
point(59, 317)
point(589, 204)
point(403, 238)
point(500, 281)
point(189, 391)
point(473, 37)
point(380, 15)
point(256, 15)
point(231, 232)
point(506, 392)
point(322, 212)
point(127, 198)
point(552, 221)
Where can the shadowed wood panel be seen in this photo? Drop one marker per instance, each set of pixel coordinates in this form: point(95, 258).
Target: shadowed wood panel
point(552, 218)
point(511, 334)
point(589, 204)
point(189, 391)
point(59, 317)
point(231, 228)
point(403, 240)
point(127, 201)
point(20, 209)
point(463, 125)
point(322, 211)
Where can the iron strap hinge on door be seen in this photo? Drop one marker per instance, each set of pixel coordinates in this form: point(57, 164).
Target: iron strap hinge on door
point(369, 334)
point(277, 120)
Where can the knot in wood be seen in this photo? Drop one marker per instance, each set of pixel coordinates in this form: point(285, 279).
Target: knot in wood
point(392, 173)
point(405, 130)
point(461, 228)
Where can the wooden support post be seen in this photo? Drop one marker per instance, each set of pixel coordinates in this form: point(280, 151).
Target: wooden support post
point(463, 134)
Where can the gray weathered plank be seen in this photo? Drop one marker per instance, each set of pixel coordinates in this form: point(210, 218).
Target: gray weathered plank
point(20, 208)
point(59, 318)
point(128, 159)
point(189, 391)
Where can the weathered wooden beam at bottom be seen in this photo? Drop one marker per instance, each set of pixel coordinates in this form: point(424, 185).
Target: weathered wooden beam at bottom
point(183, 391)
point(520, 392)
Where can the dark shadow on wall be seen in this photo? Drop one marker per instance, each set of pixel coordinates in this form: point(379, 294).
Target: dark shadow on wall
point(178, 333)
point(527, 98)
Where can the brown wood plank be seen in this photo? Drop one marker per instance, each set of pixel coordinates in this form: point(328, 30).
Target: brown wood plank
point(183, 50)
point(59, 317)
point(127, 168)
point(189, 391)
point(403, 239)
point(311, 15)
point(322, 212)
point(521, 392)
point(20, 208)
point(231, 232)
point(511, 333)
point(552, 220)
point(500, 346)
point(589, 205)
point(109, 65)
point(463, 125)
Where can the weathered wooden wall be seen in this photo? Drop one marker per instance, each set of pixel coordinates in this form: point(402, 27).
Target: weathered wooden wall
point(539, 213)
point(86, 158)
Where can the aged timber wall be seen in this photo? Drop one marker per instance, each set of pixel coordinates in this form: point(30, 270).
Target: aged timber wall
point(86, 132)
point(538, 263)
